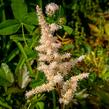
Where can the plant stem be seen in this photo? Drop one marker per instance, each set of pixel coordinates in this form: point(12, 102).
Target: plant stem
point(25, 56)
point(59, 93)
point(54, 99)
point(3, 12)
point(23, 35)
point(62, 106)
point(40, 3)
point(20, 64)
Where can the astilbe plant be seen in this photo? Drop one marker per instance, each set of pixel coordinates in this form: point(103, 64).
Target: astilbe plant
point(55, 65)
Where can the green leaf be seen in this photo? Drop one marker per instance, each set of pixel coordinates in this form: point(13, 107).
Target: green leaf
point(12, 55)
point(104, 96)
point(13, 90)
point(6, 75)
point(5, 105)
point(25, 56)
point(3, 81)
point(19, 37)
point(68, 29)
point(61, 12)
point(105, 76)
point(39, 80)
point(9, 27)
point(106, 27)
point(20, 65)
point(19, 9)
point(31, 19)
point(31, 54)
point(67, 47)
point(29, 28)
point(40, 105)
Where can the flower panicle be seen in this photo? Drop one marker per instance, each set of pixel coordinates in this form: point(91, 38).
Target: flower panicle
point(70, 87)
point(43, 88)
point(54, 64)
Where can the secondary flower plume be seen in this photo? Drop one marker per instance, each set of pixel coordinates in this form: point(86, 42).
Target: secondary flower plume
point(54, 64)
point(51, 8)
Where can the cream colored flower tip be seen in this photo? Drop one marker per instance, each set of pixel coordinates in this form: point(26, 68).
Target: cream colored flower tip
point(54, 27)
point(51, 8)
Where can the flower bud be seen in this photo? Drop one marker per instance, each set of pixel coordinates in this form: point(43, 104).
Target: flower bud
point(51, 9)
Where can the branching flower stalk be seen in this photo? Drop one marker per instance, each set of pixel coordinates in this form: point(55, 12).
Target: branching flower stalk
point(55, 65)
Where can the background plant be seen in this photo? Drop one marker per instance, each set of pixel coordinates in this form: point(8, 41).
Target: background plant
point(85, 30)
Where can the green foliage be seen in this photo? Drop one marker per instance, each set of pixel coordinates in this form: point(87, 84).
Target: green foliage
point(6, 76)
point(19, 9)
point(85, 31)
point(68, 29)
point(9, 27)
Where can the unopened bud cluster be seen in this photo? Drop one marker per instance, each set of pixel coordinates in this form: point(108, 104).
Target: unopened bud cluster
point(51, 9)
